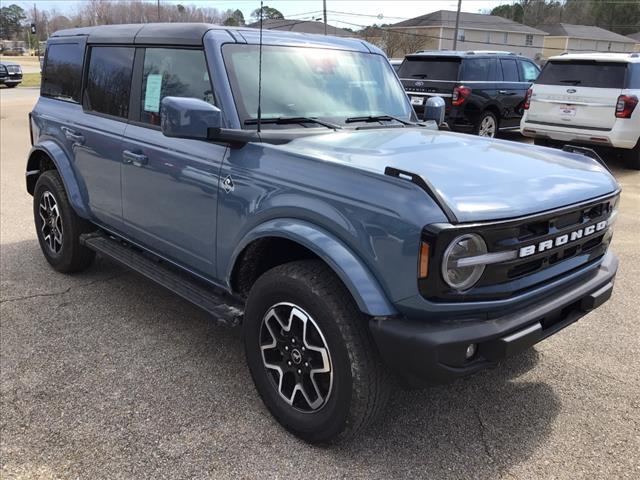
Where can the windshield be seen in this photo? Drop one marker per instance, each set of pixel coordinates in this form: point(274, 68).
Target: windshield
point(315, 83)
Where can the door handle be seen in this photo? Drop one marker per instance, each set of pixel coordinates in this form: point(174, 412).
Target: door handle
point(72, 135)
point(136, 159)
point(502, 92)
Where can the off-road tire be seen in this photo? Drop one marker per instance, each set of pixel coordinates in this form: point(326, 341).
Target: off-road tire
point(360, 388)
point(72, 257)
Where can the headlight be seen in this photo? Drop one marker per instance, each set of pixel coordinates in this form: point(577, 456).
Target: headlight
point(463, 277)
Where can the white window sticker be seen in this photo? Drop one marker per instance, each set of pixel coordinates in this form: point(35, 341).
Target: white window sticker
point(152, 93)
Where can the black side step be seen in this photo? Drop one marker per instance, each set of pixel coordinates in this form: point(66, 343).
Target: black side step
point(226, 309)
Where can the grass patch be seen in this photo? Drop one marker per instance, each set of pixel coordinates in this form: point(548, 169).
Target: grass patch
point(30, 80)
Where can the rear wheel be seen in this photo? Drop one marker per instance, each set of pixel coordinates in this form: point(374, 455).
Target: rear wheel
point(487, 125)
point(632, 157)
point(58, 226)
point(310, 353)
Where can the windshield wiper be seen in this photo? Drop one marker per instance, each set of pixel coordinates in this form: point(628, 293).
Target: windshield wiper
point(573, 82)
point(290, 120)
point(377, 118)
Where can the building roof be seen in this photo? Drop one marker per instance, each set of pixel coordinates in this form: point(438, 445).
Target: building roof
point(587, 32)
point(635, 36)
point(447, 18)
point(302, 26)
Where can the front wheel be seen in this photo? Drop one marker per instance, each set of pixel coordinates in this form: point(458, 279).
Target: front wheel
point(310, 353)
point(487, 125)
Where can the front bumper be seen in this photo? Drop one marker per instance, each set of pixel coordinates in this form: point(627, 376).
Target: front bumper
point(427, 352)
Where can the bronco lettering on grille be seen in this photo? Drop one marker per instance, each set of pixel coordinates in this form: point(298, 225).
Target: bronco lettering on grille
point(562, 239)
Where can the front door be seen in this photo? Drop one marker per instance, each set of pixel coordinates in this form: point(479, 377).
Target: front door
point(169, 185)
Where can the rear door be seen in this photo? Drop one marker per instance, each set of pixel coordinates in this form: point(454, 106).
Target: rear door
point(98, 130)
point(511, 92)
point(577, 93)
point(424, 76)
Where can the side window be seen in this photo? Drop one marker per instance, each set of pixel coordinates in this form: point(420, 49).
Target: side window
point(509, 70)
point(480, 70)
point(528, 71)
point(62, 76)
point(172, 72)
point(633, 75)
point(109, 80)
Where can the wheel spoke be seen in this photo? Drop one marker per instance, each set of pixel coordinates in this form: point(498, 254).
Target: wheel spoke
point(296, 357)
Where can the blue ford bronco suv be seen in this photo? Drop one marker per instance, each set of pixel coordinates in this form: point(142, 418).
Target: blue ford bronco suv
point(287, 185)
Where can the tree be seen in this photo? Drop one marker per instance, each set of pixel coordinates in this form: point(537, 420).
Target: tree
point(267, 13)
point(11, 19)
point(235, 18)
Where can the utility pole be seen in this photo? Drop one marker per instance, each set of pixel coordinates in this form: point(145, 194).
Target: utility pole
point(158, 4)
point(455, 33)
point(324, 14)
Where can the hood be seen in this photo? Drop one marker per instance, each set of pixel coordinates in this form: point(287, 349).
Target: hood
point(478, 178)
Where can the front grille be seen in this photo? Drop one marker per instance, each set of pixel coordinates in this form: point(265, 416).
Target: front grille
point(500, 280)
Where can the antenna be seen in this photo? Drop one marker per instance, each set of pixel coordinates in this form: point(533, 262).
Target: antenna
point(260, 70)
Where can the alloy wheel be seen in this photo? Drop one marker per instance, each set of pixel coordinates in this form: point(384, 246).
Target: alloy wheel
point(296, 357)
point(487, 127)
point(51, 219)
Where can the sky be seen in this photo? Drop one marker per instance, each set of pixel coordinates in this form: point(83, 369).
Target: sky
point(360, 12)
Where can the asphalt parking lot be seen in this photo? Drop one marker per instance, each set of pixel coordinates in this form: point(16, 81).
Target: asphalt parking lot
point(105, 375)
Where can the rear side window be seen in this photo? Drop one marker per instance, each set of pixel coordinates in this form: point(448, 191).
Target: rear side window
point(437, 68)
point(480, 70)
point(109, 80)
point(62, 76)
point(633, 75)
point(584, 74)
point(509, 70)
point(528, 71)
point(175, 73)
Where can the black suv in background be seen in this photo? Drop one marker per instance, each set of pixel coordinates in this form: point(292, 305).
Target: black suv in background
point(484, 91)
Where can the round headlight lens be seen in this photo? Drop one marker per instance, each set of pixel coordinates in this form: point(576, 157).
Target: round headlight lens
point(463, 278)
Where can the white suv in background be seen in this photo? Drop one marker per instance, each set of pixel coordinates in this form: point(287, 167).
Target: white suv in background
point(589, 99)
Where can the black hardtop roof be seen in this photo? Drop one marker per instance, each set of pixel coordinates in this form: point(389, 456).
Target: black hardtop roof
point(143, 33)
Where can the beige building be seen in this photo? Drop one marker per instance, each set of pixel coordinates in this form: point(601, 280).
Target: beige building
point(435, 31)
point(564, 37)
point(636, 38)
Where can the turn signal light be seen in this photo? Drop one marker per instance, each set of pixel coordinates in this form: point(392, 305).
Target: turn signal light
point(423, 262)
point(625, 106)
point(460, 95)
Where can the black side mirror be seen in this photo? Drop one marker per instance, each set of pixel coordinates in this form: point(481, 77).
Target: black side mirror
point(188, 118)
